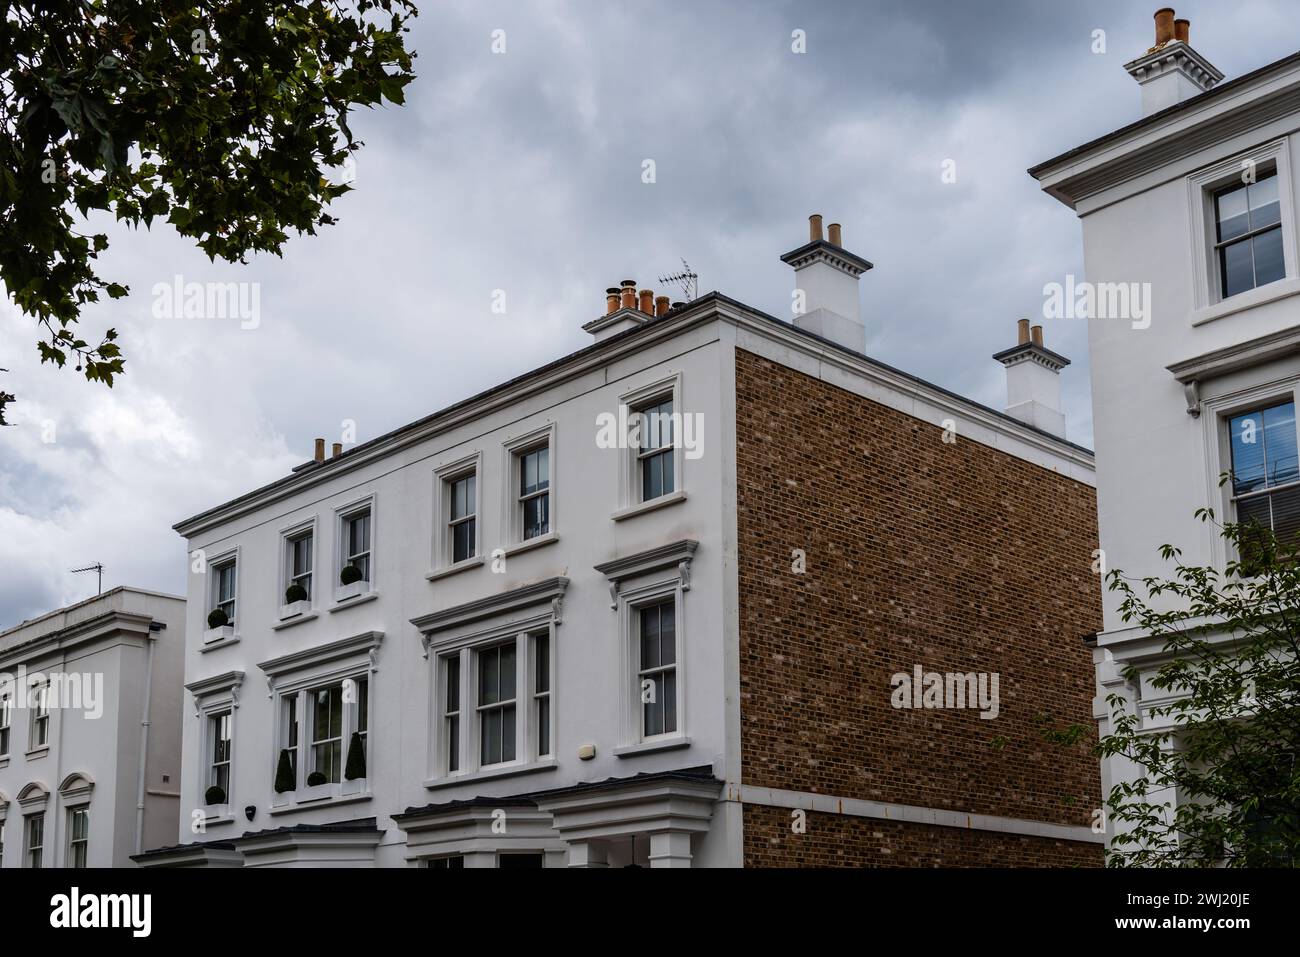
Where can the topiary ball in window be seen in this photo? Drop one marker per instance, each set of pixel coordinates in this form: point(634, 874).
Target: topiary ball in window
point(356, 764)
point(295, 592)
point(217, 618)
point(316, 778)
point(284, 779)
point(215, 795)
point(349, 574)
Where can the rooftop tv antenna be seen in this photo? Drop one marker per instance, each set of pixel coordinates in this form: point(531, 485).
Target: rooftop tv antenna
point(687, 279)
point(97, 567)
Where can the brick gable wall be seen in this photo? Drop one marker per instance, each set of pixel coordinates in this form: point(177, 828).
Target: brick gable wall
point(956, 557)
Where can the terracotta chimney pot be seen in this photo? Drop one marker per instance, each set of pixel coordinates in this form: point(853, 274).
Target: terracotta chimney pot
point(814, 227)
point(611, 300)
point(834, 234)
point(1036, 333)
point(319, 455)
point(648, 301)
point(661, 305)
point(337, 450)
point(1164, 25)
point(629, 294)
point(1183, 31)
point(1023, 330)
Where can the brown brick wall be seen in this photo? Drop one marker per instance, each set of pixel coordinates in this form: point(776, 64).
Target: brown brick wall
point(833, 840)
point(956, 557)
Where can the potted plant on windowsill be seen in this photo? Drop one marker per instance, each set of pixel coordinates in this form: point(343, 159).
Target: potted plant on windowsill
point(214, 799)
point(296, 602)
point(352, 583)
point(318, 787)
point(219, 626)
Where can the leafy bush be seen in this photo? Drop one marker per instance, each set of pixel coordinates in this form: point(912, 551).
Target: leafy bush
point(215, 795)
point(217, 618)
point(349, 574)
point(316, 778)
point(295, 592)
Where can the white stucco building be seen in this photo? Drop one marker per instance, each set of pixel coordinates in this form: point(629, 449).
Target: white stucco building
point(90, 733)
point(539, 660)
point(1190, 241)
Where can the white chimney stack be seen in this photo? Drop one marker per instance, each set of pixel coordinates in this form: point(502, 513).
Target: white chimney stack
point(826, 287)
point(1171, 71)
point(1034, 381)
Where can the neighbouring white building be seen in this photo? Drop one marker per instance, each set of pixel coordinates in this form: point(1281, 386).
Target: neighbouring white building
point(90, 731)
point(520, 637)
point(1190, 241)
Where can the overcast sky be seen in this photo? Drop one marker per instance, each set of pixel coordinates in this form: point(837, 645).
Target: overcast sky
point(522, 172)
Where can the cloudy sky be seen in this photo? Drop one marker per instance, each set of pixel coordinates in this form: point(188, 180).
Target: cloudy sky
point(522, 172)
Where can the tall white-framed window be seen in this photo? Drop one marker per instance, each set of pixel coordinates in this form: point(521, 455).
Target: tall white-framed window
point(78, 836)
point(298, 563)
point(6, 720)
point(220, 742)
point(1243, 232)
point(458, 526)
point(495, 704)
point(34, 840)
point(656, 630)
point(530, 488)
point(647, 594)
point(1250, 436)
point(535, 492)
point(355, 543)
point(224, 586)
point(653, 447)
point(1263, 443)
point(216, 703)
point(39, 708)
point(451, 712)
point(541, 675)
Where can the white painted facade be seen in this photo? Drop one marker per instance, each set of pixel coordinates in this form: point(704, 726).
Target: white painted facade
point(1164, 387)
point(105, 752)
point(607, 552)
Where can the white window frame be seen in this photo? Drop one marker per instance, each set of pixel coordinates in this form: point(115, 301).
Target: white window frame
point(513, 517)
point(1208, 301)
point(635, 581)
point(633, 601)
point(443, 550)
point(1215, 418)
point(40, 716)
point(289, 535)
point(69, 812)
point(629, 494)
point(225, 559)
point(211, 697)
point(210, 763)
point(28, 819)
point(466, 651)
point(341, 516)
point(6, 723)
point(298, 676)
